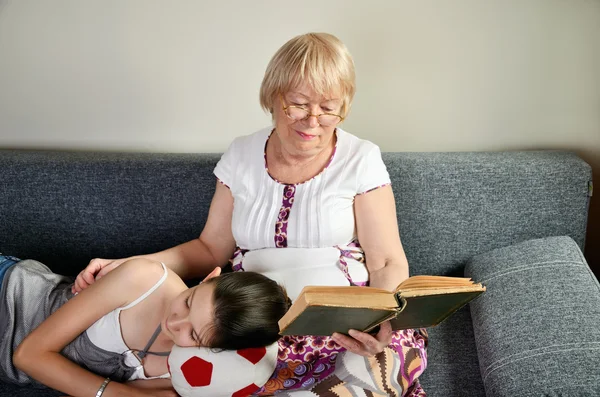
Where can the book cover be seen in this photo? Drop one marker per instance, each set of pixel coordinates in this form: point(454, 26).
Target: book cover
point(422, 301)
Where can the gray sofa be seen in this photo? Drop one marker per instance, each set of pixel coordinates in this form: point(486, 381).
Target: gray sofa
point(492, 215)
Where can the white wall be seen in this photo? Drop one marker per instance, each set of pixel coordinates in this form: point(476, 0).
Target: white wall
point(183, 76)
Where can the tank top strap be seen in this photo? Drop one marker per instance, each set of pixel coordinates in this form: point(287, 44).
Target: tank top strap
point(150, 291)
point(145, 352)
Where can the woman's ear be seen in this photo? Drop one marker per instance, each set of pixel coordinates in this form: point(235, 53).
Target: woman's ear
point(215, 273)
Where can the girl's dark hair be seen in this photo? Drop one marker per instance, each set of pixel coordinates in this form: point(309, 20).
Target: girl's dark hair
point(247, 307)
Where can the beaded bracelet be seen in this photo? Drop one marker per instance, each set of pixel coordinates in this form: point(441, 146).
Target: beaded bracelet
point(102, 387)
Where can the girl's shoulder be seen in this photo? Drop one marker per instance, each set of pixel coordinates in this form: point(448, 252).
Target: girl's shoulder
point(142, 270)
point(141, 275)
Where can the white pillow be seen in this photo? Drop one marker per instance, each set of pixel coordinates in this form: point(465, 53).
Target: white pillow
point(200, 371)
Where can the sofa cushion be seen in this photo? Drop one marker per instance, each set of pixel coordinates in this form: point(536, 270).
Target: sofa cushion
point(537, 326)
point(452, 365)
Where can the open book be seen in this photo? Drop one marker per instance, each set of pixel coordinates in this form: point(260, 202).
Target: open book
point(419, 301)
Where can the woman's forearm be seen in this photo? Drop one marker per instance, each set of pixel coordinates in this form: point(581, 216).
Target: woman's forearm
point(192, 259)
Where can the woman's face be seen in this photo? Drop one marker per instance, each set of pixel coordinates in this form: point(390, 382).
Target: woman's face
point(188, 319)
point(305, 137)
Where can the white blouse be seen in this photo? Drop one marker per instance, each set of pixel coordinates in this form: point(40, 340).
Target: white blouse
point(321, 214)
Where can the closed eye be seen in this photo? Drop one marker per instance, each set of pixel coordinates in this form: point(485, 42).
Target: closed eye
point(193, 334)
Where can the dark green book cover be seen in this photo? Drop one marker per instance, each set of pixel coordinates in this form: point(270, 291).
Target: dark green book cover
point(412, 311)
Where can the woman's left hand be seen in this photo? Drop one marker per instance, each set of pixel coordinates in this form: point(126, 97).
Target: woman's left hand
point(365, 344)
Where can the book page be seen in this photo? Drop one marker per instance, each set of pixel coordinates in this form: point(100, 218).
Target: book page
point(366, 299)
point(413, 292)
point(346, 290)
point(433, 282)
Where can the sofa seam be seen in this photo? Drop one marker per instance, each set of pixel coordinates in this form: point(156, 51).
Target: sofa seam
point(589, 270)
point(489, 371)
point(539, 349)
point(533, 266)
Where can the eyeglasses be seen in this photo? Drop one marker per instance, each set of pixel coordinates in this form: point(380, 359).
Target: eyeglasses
point(299, 113)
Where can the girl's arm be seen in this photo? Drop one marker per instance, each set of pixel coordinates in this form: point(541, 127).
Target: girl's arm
point(151, 383)
point(39, 354)
point(153, 387)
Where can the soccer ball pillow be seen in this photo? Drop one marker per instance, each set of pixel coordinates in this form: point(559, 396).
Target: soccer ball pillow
point(199, 371)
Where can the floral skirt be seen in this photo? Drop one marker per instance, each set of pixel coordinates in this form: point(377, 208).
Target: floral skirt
point(317, 366)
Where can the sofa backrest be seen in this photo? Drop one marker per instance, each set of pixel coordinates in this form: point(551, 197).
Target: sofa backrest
point(452, 206)
point(65, 208)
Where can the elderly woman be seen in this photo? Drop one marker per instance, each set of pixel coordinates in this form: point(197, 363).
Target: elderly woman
point(306, 203)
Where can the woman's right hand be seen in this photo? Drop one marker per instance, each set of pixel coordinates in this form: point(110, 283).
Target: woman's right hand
point(97, 268)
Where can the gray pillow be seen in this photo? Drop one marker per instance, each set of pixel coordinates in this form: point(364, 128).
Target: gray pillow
point(537, 328)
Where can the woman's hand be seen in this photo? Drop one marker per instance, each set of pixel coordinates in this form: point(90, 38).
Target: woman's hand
point(365, 344)
point(97, 268)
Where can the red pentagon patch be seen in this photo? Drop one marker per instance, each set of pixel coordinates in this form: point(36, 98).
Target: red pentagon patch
point(197, 372)
point(253, 354)
point(246, 391)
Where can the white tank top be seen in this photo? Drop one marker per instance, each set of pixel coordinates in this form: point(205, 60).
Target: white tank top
point(106, 333)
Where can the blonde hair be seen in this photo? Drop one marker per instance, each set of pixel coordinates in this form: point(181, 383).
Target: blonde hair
point(319, 59)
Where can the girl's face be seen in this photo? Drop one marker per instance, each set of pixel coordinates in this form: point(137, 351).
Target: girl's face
point(305, 137)
point(188, 319)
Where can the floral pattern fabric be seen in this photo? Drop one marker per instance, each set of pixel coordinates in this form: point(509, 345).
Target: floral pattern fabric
point(284, 214)
point(305, 361)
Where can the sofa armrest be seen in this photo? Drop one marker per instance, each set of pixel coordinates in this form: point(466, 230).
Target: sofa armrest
point(537, 328)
